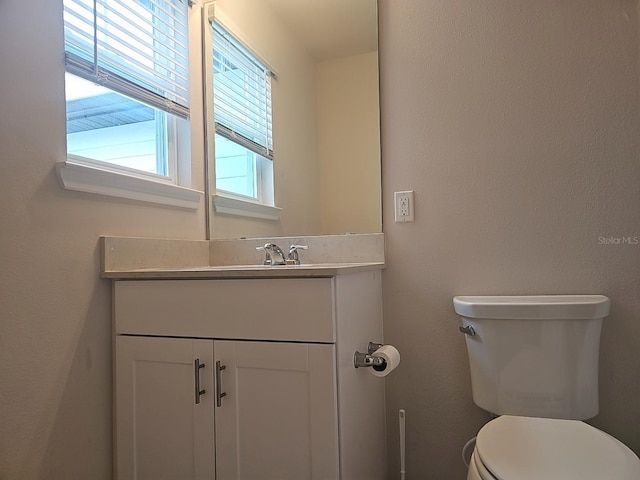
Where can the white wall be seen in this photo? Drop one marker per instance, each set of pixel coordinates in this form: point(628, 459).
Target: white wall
point(349, 144)
point(517, 125)
point(55, 313)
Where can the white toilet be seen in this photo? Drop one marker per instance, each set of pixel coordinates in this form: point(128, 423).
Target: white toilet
point(534, 362)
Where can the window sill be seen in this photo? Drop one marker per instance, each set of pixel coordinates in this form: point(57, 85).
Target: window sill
point(85, 178)
point(223, 205)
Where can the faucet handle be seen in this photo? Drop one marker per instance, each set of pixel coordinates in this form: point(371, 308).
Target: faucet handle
point(265, 249)
point(292, 258)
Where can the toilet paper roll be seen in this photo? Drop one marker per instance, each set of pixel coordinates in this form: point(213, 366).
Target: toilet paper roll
point(391, 357)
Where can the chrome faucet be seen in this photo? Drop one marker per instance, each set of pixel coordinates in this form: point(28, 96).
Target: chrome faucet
point(273, 254)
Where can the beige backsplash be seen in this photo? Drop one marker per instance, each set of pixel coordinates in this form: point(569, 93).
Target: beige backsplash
point(132, 253)
point(355, 248)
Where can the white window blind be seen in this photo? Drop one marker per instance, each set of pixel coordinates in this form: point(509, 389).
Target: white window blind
point(136, 47)
point(241, 94)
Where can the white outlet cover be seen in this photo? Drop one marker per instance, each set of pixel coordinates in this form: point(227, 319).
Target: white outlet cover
point(403, 206)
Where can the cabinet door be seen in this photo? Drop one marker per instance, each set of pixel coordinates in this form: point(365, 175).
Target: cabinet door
point(278, 417)
point(161, 432)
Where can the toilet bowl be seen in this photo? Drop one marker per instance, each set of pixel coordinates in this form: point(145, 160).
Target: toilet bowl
point(529, 448)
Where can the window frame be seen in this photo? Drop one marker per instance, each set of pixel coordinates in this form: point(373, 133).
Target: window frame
point(165, 125)
point(104, 178)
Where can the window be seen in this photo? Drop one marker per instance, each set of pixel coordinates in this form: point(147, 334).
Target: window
point(243, 143)
point(106, 126)
point(126, 84)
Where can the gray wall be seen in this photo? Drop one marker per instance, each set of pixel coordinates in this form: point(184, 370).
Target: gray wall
point(55, 313)
point(516, 123)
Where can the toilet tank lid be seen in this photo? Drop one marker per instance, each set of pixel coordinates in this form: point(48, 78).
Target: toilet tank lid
point(544, 307)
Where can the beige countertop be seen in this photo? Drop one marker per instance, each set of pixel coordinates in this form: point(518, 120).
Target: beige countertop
point(244, 271)
point(130, 258)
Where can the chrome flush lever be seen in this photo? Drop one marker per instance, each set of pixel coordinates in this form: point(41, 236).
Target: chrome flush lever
point(467, 330)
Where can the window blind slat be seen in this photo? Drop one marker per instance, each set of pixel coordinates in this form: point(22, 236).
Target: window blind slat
point(142, 48)
point(228, 50)
point(230, 117)
point(113, 56)
point(258, 113)
point(245, 142)
point(78, 27)
point(233, 79)
point(80, 67)
point(241, 121)
point(242, 94)
point(170, 35)
point(173, 10)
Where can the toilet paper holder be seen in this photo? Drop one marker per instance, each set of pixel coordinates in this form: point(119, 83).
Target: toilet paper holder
point(369, 359)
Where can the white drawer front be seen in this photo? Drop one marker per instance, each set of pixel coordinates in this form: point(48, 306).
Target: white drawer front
point(255, 309)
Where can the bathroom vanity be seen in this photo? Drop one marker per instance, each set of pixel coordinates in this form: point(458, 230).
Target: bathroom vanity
point(247, 373)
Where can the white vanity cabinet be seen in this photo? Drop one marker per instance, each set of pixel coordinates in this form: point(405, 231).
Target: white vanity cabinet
point(238, 379)
point(279, 416)
point(160, 432)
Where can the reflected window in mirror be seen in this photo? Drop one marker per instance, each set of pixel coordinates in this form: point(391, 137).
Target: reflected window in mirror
point(326, 127)
point(243, 141)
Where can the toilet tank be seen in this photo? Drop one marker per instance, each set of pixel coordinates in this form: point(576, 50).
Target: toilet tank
point(534, 356)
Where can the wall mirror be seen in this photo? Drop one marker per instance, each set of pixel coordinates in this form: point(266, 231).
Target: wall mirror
point(322, 61)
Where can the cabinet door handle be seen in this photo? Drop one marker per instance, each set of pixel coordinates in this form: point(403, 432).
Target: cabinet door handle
point(219, 392)
point(196, 367)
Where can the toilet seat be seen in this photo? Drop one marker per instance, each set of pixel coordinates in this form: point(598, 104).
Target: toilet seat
point(523, 448)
